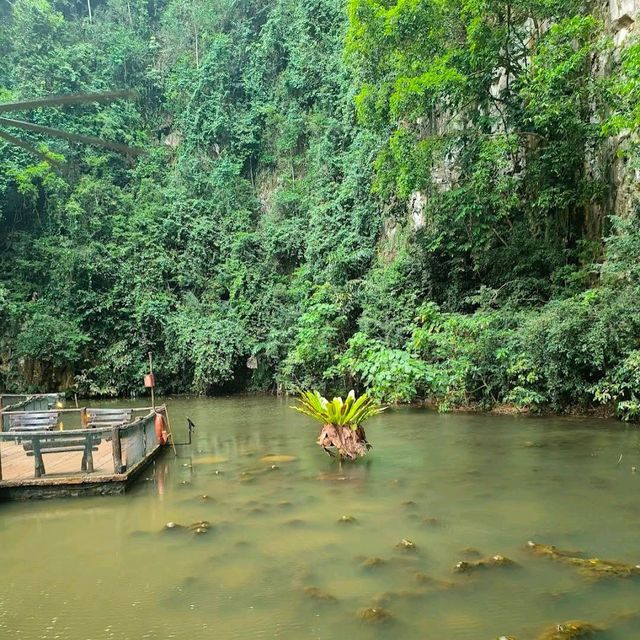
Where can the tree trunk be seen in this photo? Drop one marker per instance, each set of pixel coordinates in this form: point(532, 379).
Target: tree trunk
point(347, 442)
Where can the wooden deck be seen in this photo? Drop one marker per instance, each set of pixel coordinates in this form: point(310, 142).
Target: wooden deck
point(16, 465)
point(119, 454)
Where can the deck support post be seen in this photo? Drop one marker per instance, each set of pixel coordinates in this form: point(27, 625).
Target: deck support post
point(87, 458)
point(38, 471)
point(116, 449)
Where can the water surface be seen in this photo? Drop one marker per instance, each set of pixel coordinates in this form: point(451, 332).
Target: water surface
point(103, 568)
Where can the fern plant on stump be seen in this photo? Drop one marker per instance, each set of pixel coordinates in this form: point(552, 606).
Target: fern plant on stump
point(342, 431)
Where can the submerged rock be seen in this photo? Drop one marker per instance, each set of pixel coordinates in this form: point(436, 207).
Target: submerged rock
point(550, 550)
point(569, 631)
point(372, 562)
point(347, 519)
point(197, 528)
point(295, 522)
point(318, 594)
point(529, 444)
point(467, 566)
point(273, 459)
point(471, 552)
point(433, 583)
point(431, 522)
point(590, 567)
point(401, 594)
point(406, 545)
point(375, 615)
point(210, 460)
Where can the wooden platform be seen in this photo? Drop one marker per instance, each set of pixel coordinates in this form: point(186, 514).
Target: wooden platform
point(63, 478)
point(120, 452)
point(16, 465)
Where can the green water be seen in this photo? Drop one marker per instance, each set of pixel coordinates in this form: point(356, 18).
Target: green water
point(102, 568)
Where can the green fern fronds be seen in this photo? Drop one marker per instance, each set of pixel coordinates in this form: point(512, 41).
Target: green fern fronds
point(351, 412)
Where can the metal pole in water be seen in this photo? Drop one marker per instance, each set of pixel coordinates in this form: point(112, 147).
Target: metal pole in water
point(173, 444)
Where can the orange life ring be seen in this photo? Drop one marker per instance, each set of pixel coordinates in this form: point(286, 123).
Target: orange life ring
point(161, 433)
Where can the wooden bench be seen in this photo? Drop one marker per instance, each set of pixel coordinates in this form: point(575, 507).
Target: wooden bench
point(38, 446)
point(107, 417)
point(33, 421)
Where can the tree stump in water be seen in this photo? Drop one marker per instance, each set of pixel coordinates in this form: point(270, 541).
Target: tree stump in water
point(347, 442)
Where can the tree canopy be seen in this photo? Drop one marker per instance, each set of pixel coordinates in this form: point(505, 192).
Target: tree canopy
point(415, 197)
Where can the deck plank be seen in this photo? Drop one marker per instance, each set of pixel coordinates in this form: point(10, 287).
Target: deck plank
point(16, 465)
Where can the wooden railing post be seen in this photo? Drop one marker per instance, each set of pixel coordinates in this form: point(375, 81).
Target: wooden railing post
point(87, 458)
point(37, 458)
point(116, 449)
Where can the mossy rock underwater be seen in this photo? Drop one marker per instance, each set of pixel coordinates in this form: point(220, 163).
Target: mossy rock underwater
point(277, 458)
point(197, 528)
point(590, 567)
point(571, 630)
point(375, 615)
point(209, 460)
point(468, 566)
point(316, 593)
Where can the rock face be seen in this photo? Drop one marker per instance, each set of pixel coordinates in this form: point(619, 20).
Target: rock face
point(623, 12)
point(622, 20)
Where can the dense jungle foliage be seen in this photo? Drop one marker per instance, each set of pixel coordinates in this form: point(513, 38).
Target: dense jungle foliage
point(408, 196)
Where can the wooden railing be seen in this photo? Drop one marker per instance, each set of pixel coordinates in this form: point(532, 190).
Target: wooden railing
point(10, 402)
point(82, 412)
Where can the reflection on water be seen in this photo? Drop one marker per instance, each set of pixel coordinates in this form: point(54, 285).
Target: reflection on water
point(271, 555)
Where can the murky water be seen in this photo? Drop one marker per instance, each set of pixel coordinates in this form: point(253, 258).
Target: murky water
point(103, 568)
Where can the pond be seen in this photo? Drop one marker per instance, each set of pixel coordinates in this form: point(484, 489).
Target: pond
point(278, 561)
